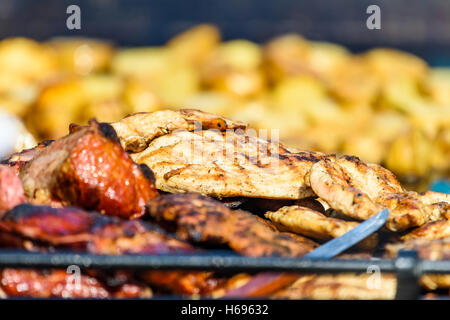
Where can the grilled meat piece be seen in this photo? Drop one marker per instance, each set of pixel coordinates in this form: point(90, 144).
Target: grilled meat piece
point(316, 225)
point(49, 284)
point(227, 164)
point(361, 190)
point(342, 286)
point(437, 249)
point(11, 190)
point(432, 230)
point(56, 283)
point(204, 220)
point(93, 231)
point(77, 229)
point(136, 131)
point(228, 161)
point(430, 249)
point(185, 281)
point(18, 159)
point(435, 281)
point(89, 168)
point(132, 290)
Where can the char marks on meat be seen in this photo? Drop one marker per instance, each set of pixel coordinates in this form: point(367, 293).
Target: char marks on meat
point(360, 190)
point(99, 234)
point(96, 232)
point(204, 220)
point(225, 162)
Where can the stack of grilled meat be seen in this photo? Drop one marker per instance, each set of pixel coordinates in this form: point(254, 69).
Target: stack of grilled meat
point(186, 181)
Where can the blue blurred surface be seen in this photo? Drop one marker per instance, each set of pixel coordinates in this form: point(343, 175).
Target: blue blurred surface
point(441, 186)
point(418, 26)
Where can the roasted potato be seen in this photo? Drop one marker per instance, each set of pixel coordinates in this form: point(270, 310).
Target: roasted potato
point(82, 56)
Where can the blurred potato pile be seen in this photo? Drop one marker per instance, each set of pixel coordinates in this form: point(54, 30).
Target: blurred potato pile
point(384, 106)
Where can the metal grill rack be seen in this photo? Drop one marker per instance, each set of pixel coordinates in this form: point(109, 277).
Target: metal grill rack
point(407, 266)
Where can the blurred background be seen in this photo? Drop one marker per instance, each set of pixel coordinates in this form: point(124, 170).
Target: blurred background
point(311, 69)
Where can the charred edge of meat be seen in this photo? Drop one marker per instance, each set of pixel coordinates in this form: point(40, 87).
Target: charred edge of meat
point(147, 172)
point(78, 220)
point(104, 128)
point(73, 127)
point(133, 114)
point(234, 202)
point(352, 158)
point(26, 210)
point(108, 132)
point(89, 221)
point(40, 145)
point(303, 156)
point(203, 220)
point(46, 143)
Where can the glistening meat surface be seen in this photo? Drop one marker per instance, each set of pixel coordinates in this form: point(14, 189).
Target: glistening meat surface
point(60, 284)
point(89, 168)
point(11, 190)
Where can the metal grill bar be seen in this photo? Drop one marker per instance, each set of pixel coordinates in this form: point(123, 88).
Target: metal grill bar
point(216, 261)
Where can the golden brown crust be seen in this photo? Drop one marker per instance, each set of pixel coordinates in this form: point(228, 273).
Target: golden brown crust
point(437, 249)
point(137, 130)
point(431, 230)
point(316, 225)
point(361, 190)
point(227, 164)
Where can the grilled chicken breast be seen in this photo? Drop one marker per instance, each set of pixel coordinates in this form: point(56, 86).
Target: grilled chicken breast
point(218, 163)
point(136, 131)
point(361, 190)
point(432, 230)
point(316, 225)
